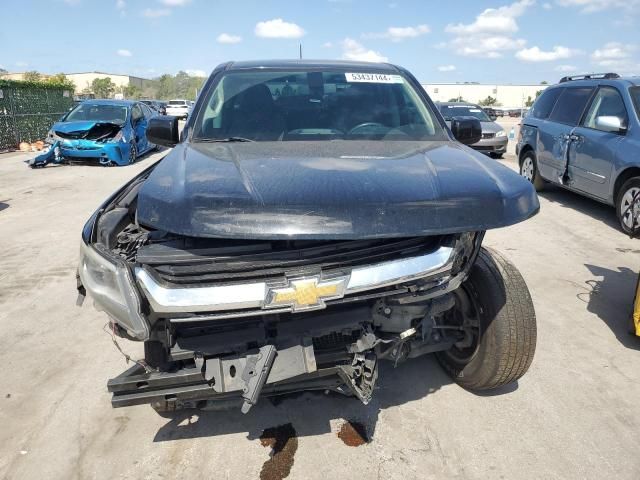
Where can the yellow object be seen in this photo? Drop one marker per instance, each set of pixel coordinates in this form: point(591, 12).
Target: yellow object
point(636, 310)
point(306, 293)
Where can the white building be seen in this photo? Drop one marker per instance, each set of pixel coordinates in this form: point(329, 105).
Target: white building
point(83, 80)
point(508, 96)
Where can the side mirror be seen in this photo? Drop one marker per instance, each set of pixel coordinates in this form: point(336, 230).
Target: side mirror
point(163, 130)
point(466, 130)
point(493, 118)
point(610, 124)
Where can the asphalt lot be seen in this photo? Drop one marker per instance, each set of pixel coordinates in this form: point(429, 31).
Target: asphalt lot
point(574, 415)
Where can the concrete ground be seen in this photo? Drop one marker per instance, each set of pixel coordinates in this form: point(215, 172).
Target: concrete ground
point(574, 415)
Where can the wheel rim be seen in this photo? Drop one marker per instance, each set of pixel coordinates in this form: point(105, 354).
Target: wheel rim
point(630, 213)
point(132, 153)
point(527, 169)
point(466, 315)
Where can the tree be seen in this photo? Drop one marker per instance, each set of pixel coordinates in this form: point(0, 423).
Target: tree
point(103, 87)
point(544, 82)
point(181, 84)
point(62, 80)
point(489, 101)
point(3, 71)
point(131, 91)
point(165, 87)
point(31, 76)
point(529, 102)
point(457, 99)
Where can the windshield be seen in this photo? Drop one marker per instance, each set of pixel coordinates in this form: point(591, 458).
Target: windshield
point(181, 103)
point(303, 105)
point(99, 112)
point(635, 95)
point(449, 111)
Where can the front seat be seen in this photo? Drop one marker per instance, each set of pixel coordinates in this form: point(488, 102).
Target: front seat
point(255, 116)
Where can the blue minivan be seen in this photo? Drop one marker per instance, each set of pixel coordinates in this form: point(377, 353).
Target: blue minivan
point(584, 135)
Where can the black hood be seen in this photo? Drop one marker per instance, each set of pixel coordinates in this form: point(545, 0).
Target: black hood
point(331, 190)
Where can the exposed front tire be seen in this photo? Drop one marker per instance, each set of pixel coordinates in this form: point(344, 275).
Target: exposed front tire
point(529, 170)
point(133, 152)
point(628, 206)
point(495, 306)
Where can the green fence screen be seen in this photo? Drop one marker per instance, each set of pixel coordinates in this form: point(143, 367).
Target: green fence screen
point(27, 111)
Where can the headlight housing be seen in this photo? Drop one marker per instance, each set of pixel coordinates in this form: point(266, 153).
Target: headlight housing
point(501, 133)
point(112, 288)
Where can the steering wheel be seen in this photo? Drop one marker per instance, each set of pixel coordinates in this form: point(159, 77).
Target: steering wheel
point(365, 125)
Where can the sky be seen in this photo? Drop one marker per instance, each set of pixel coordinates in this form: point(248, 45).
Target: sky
point(524, 41)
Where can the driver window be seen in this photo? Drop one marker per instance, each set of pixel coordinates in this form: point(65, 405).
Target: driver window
point(136, 114)
point(606, 103)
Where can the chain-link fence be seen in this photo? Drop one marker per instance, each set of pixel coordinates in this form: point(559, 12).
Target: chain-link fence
point(27, 111)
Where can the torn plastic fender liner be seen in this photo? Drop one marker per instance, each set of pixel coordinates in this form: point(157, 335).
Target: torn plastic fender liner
point(53, 155)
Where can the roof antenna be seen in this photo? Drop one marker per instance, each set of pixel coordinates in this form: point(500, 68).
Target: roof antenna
point(300, 50)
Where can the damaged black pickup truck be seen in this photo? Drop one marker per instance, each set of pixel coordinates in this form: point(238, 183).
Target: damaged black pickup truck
point(313, 219)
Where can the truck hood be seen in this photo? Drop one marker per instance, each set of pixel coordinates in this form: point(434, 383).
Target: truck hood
point(331, 190)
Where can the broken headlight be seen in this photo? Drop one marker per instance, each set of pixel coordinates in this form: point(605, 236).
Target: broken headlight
point(118, 136)
point(111, 286)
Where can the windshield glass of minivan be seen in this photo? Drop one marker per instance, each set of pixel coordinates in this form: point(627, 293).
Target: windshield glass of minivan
point(98, 112)
point(450, 111)
point(314, 105)
point(177, 102)
point(635, 95)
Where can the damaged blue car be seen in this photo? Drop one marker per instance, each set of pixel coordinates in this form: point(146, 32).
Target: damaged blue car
point(104, 132)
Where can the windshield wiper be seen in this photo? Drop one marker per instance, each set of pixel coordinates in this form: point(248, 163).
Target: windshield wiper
point(216, 140)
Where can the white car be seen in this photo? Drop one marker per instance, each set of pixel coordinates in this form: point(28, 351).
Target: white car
point(178, 108)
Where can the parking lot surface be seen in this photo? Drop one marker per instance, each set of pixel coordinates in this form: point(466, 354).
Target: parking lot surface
point(574, 415)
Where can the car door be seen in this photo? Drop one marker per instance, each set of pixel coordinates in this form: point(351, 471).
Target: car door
point(554, 135)
point(139, 124)
point(593, 147)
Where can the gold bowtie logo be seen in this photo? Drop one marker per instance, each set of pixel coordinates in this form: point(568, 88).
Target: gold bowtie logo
point(306, 293)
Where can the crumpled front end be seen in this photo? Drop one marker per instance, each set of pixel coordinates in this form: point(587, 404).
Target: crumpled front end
point(101, 143)
point(230, 320)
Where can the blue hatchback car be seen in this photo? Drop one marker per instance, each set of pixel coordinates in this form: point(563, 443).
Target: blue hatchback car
point(109, 132)
point(584, 135)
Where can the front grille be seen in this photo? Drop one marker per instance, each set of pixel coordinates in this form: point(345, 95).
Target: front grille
point(230, 262)
point(488, 135)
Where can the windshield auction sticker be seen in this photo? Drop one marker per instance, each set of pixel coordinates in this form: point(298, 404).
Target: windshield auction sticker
point(373, 78)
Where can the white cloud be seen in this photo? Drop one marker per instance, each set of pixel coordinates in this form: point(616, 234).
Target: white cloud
point(196, 73)
point(547, 6)
point(534, 54)
point(493, 20)
point(616, 56)
point(228, 38)
point(491, 33)
point(327, 45)
point(565, 68)
point(353, 50)
point(121, 4)
point(156, 12)
point(590, 6)
point(485, 46)
point(278, 28)
point(21, 64)
point(124, 52)
point(398, 34)
point(446, 68)
point(175, 3)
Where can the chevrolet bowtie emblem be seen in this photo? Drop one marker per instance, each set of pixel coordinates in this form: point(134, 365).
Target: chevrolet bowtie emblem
point(306, 293)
